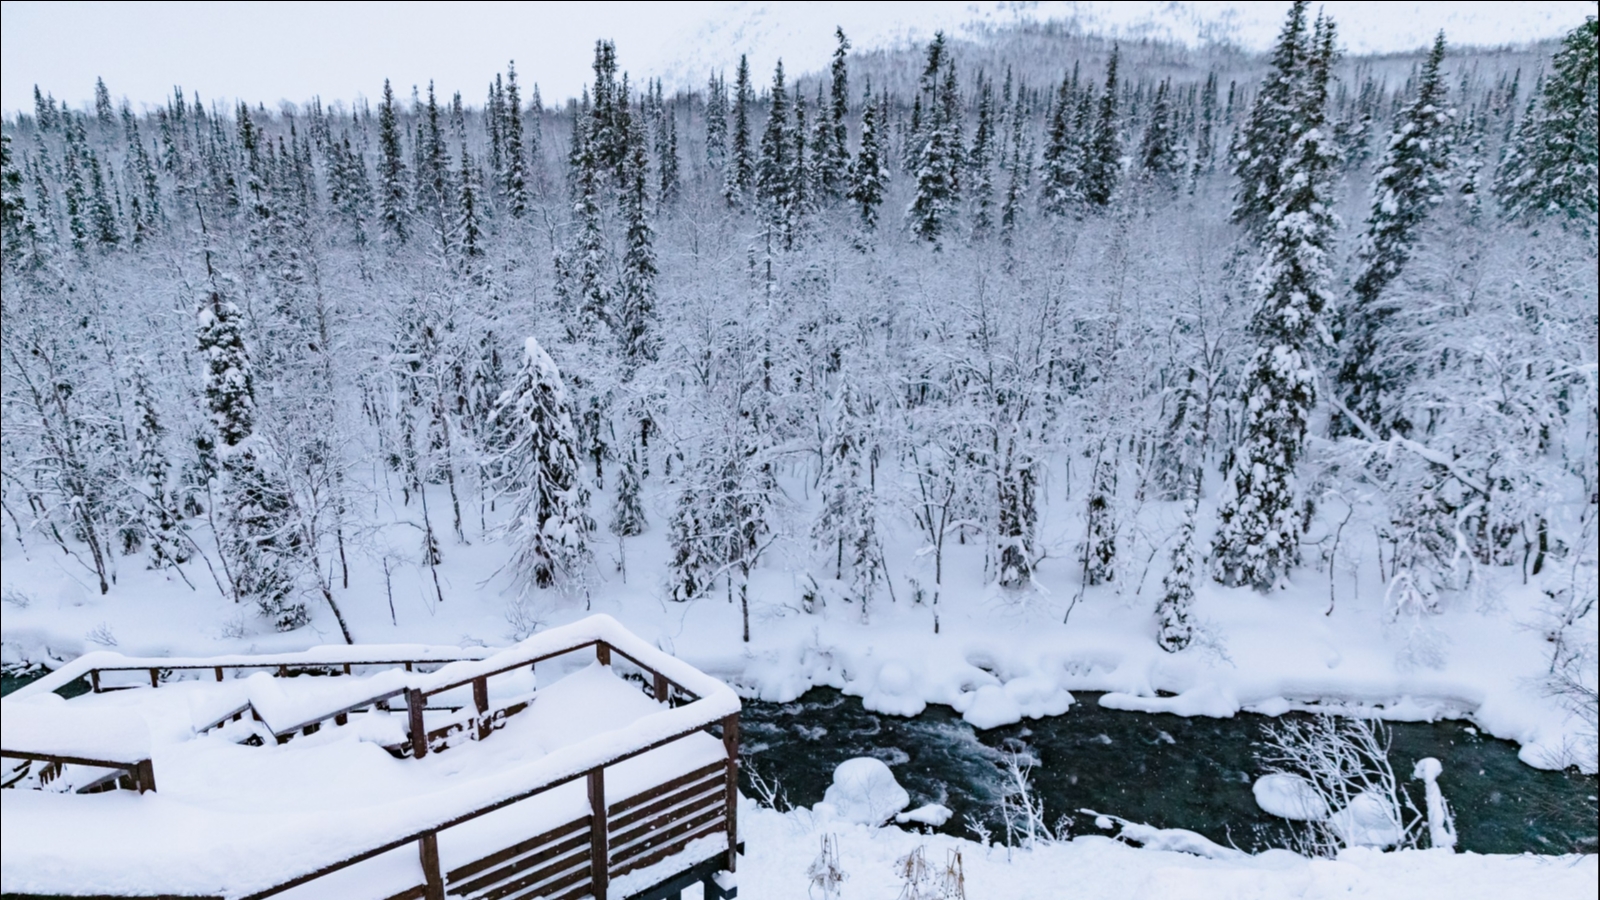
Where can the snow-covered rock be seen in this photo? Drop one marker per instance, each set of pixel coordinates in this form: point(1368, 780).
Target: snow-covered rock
point(864, 791)
point(930, 814)
point(1289, 797)
point(1366, 822)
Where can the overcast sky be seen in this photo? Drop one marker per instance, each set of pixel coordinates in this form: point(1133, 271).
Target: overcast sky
point(273, 51)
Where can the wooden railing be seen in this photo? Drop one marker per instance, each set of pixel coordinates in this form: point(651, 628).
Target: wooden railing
point(141, 774)
point(618, 836)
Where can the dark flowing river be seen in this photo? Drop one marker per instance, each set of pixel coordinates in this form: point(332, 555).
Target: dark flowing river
point(1165, 770)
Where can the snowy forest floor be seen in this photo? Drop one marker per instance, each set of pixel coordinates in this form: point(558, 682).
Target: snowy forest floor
point(999, 655)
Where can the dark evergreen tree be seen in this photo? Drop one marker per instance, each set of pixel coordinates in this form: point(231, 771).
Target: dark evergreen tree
point(1158, 151)
point(1265, 141)
point(1258, 541)
point(1205, 150)
point(103, 111)
point(511, 132)
point(1410, 180)
point(582, 271)
point(1551, 167)
point(775, 179)
point(716, 123)
point(636, 323)
point(740, 175)
point(394, 209)
point(1102, 163)
point(869, 174)
point(831, 147)
point(980, 163)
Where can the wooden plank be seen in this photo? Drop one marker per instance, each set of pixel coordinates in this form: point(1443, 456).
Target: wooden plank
point(543, 886)
point(640, 830)
point(597, 829)
point(602, 652)
point(219, 672)
point(660, 835)
point(517, 849)
point(661, 687)
point(74, 760)
point(582, 890)
point(713, 782)
point(428, 850)
point(623, 806)
point(420, 892)
point(663, 851)
point(480, 699)
point(144, 775)
point(155, 678)
point(554, 859)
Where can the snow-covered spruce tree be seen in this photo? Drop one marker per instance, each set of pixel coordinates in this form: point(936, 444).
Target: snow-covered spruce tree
point(627, 513)
point(636, 320)
point(1551, 166)
point(740, 173)
point(13, 204)
point(832, 150)
point(582, 277)
point(980, 164)
point(1257, 543)
point(259, 550)
point(1174, 627)
point(1264, 143)
point(1411, 179)
point(777, 188)
point(1061, 168)
point(160, 516)
point(550, 525)
point(716, 132)
point(1102, 159)
point(869, 175)
point(938, 167)
point(1158, 151)
point(1100, 537)
point(394, 210)
point(511, 131)
point(846, 529)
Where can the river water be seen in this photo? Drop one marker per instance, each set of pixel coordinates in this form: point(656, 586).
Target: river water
point(1164, 770)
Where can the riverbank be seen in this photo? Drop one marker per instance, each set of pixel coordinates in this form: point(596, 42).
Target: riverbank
point(1105, 869)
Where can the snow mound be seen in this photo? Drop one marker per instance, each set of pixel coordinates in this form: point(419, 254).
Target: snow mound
point(45, 724)
point(1289, 797)
point(994, 705)
point(1365, 823)
point(864, 791)
point(932, 814)
point(1172, 840)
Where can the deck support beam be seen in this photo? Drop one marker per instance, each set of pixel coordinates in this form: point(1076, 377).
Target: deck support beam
point(730, 742)
point(419, 731)
point(433, 881)
point(599, 863)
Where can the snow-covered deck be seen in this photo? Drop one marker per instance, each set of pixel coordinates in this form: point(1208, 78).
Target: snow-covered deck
point(577, 784)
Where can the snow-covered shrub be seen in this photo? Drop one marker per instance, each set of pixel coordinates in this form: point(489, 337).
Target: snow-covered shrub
point(1022, 811)
point(1344, 763)
point(825, 873)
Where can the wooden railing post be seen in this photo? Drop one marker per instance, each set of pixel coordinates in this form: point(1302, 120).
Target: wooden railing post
point(419, 731)
point(218, 670)
point(94, 680)
point(155, 678)
point(602, 652)
point(480, 699)
point(144, 775)
point(599, 865)
point(433, 881)
point(661, 688)
point(730, 742)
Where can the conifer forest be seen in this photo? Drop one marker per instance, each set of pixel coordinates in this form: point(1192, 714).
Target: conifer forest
point(1038, 327)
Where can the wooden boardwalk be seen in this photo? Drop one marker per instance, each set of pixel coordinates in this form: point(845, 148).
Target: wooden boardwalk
point(638, 835)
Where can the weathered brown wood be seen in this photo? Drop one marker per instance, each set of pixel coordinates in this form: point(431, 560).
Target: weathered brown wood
point(341, 718)
point(94, 680)
point(73, 760)
point(661, 688)
point(480, 699)
point(645, 830)
point(155, 678)
point(519, 848)
point(559, 852)
point(686, 692)
point(602, 652)
point(218, 670)
point(597, 828)
point(712, 786)
point(658, 836)
point(428, 850)
point(145, 775)
point(581, 890)
point(408, 665)
point(622, 806)
point(347, 668)
point(730, 742)
point(420, 892)
point(419, 733)
point(659, 852)
point(545, 889)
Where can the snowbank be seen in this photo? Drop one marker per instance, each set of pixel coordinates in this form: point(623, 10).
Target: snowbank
point(863, 791)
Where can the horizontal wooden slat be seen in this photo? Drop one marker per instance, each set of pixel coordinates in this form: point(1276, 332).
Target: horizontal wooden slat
point(560, 831)
point(662, 835)
point(662, 819)
point(665, 850)
point(524, 863)
point(73, 760)
point(538, 880)
point(585, 889)
point(417, 893)
point(714, 780)
point(622, 806)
